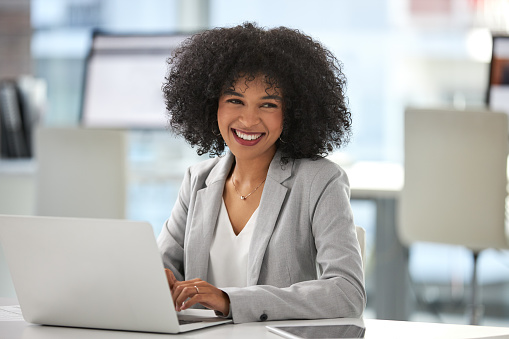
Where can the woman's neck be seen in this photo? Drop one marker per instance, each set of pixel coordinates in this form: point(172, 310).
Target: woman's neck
point(251, 171)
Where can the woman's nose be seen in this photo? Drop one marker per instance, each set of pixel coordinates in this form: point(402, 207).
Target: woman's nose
point(250, 117)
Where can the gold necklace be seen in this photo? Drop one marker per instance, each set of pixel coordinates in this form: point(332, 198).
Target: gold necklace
point(244, 197)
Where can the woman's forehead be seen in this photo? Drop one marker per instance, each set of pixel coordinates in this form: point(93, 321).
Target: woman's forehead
point(243, 82)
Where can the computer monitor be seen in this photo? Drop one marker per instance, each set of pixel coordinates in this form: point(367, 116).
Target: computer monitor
point(123, 80)
point(498, 89)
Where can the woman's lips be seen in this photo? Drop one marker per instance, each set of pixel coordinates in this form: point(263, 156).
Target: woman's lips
point(245, 138)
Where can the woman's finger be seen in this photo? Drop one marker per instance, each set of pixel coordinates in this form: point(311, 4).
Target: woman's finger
point(178, 289)
point(170, 277)
point(185, 291)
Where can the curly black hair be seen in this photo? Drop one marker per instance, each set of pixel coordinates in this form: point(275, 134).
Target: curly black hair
point(316, 118)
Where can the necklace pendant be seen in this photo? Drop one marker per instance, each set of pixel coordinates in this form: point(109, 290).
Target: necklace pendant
point(244, 197)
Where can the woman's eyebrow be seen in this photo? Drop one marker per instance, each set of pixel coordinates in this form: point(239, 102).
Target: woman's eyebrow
point(272, 97)
point(266, 97)
point(231, 92)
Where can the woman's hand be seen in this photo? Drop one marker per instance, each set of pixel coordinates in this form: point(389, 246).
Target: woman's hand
point(190, 292)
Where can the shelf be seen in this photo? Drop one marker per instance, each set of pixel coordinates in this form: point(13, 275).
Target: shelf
point(18, 166)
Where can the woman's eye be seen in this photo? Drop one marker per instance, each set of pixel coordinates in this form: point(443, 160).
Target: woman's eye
point(269, 105)
point(234, 101)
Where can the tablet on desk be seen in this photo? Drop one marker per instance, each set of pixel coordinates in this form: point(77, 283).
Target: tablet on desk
point(344, 331)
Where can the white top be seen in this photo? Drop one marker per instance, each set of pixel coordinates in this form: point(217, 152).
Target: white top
point(229, 252)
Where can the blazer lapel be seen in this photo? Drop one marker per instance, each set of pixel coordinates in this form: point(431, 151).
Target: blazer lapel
point(204, 220)
point(270, 205)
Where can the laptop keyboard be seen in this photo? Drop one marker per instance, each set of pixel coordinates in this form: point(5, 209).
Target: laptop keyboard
point(189, 321)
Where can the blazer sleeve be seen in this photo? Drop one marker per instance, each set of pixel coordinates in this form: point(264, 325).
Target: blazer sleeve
point(339, 290)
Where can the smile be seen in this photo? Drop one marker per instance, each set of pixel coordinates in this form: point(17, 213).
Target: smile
point(246, 136)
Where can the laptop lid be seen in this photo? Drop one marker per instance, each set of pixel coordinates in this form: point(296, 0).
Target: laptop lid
point(93, 273)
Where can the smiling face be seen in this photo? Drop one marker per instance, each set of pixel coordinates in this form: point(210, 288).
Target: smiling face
point(250, 119)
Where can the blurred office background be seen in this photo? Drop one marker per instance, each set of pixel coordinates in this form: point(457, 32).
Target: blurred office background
point(396, 54)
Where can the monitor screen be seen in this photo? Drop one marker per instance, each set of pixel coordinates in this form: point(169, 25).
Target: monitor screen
point(498, 92)
point(123, 79)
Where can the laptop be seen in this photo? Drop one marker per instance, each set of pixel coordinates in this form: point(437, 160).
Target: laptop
point(92, 273)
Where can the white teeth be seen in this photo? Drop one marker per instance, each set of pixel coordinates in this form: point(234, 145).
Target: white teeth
point(247, 136)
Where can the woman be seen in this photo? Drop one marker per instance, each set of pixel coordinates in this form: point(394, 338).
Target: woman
point(251, 225)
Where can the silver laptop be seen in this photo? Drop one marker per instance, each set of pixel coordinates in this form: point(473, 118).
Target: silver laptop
point(92, 273)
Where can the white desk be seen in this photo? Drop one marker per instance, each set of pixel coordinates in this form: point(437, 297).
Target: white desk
point(375, 329)
point(370, 179)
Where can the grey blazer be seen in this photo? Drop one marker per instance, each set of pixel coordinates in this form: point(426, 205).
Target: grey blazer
point(304, 219)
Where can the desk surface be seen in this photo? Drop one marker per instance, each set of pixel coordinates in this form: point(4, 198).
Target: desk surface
point(373, 180)
point(375, 329)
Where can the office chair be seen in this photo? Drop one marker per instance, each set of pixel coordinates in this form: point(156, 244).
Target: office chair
point(81, 172)
point(361, 237)
point(455, 182)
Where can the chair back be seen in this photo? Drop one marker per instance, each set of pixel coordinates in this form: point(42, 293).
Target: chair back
point(455, 178)
point(361, 237)
point(81, 172)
